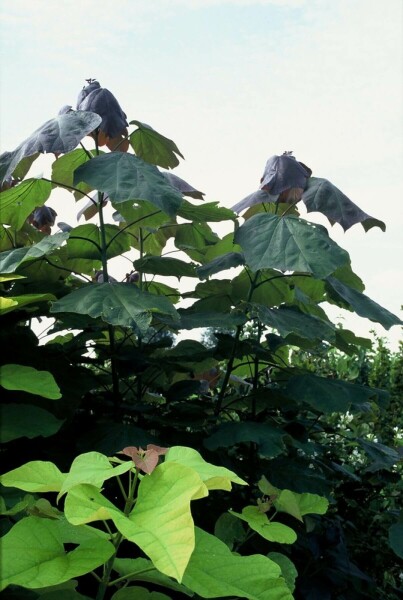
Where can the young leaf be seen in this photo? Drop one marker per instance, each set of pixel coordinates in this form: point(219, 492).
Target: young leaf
point(60, 134)
point(153, 147)
point(126, 177)
point(322, 196)
point(289, 244)
point(17, 203)
point(33, 554)
point(215, 478)
point(28, 379)
point(259, 522)
point(117, 304)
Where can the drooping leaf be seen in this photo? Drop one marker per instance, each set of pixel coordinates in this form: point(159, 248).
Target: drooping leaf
point(252, 199)
point(10, 260)
point(288, 570)
point(215, 478)
point(28, 379)
point(17, 203)
point(60, 134)
point(208, 212)
point(26, 420)
point(117, 304)
point(322, 196)
point(364, 306)
point(35, 476)
point(34, 555)
point(382, 456)
point(289, 320)
point(289, 244)
point(270, 530)
point(214, 572)
point(126, 177)
point(183, 186)
point(153, 147)
point(221, 263)
point(160, 265)
point(85, 241)
point(329, 395)
point(102, 102)
point(269, 439)
point(282, 173)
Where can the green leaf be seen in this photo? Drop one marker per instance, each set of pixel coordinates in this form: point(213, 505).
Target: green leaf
point(214, 572)
point(17, 203)
point(289, 244)
point(382, 456)
point(299, 505)
point(160, 265)
point(139, 593)
point(269, 439)
point(207, 212)
point(259, 522)
point(63, 170)
point(10, 260)
point(17, 302)
point(322, 196)
point(288, 570)
point(161, 522)
point(272, 289)
point(85, 504)
point(141, 569)
point(153, 147)
point(26, 420)
point(160, 289)
point(24, 166)
point(126, 177)
point(85, 241)
point(194, 239)
point(117, 304)
point(28, 379)
point(60, 134)
point(34, 555)
point(364, 306)
point(292, 321)
point(221, 263)
point(396, 538)
point(229, 530)
point(35, 476)
point(93, 468)
point(215, 478)
point(190, 319)
point(329, 395)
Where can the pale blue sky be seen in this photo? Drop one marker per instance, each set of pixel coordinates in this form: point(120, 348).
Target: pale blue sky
point(233, 82)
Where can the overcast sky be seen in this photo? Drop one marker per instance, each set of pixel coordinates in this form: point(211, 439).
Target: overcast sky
point(234, 82)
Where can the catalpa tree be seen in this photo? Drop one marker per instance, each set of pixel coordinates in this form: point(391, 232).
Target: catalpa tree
point(114, 417)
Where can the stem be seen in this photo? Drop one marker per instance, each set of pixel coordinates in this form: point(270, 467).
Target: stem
point(130, 225)
point(68, 187)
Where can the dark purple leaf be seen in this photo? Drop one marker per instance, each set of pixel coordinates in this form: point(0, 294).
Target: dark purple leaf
point(102, 102)
point(282, 173)
point(254, 198)
point(183, 186)
point(322, 196)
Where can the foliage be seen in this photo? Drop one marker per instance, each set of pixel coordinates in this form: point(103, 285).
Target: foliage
point(82, 520)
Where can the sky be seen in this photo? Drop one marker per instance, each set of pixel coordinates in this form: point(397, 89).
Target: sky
point(233, 82)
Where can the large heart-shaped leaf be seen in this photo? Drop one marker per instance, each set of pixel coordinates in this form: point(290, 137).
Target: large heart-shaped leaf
point(269, 439)
point(17, 203)
point(117, 304)
point(215, 572)
point(160, 265)
point(364, 306)
point(60, 134)
point(33, 554)
point(28, 379)
point(141, 569)
point(34, 476)
point(289, 244)
point(153, 147)
point(10, 260)
point(85, 241)
point(26, 420)
point(126, 177)
point(63, 171)
point(322, 196)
